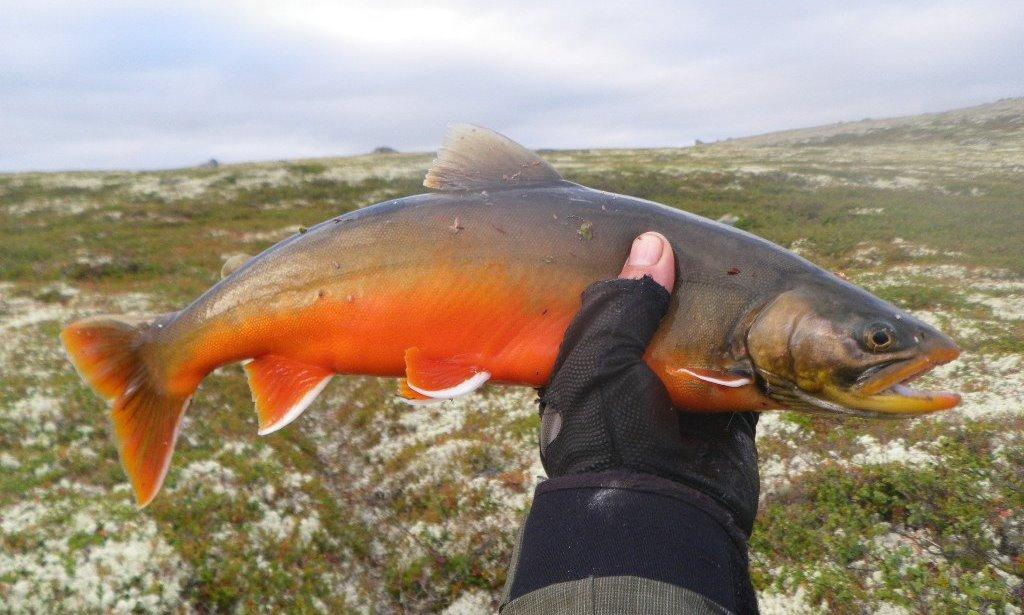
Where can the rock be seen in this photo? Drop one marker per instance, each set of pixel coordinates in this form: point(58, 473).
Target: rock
point(1011, 534)
point(210, 164)
point(730, 219)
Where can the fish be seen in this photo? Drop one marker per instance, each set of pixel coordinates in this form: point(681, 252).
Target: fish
point(476, 282)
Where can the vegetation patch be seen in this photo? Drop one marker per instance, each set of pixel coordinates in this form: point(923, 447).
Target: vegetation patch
point(367, 505)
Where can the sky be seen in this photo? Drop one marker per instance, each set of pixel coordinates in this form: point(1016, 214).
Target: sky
point(138, 85)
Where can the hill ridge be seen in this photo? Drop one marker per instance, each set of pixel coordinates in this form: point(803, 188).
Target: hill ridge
point(994, 120)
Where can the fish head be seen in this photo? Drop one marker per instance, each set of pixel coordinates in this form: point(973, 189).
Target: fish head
point(835, 348)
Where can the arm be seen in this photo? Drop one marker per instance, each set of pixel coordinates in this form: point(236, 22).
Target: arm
point(646, 508)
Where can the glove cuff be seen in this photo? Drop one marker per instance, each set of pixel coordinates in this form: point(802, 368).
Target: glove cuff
point(623, 524)
point(656, 485)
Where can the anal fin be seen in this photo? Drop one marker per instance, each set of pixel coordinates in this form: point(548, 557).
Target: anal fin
point(282, 388)
point(441, 378)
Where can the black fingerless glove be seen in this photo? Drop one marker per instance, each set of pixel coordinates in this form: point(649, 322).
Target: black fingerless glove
point(640, 494)
point(604, 409)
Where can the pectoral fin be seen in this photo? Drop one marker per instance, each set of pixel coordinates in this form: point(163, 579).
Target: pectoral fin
point(441, 378)
point(724, 379)
point(282, 388)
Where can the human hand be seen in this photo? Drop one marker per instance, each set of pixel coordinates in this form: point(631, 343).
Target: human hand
point(604, 409)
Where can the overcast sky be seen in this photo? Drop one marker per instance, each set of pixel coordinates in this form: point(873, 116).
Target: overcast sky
point(120, 84)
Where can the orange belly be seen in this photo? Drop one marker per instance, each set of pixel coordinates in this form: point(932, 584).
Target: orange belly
point(483, 318)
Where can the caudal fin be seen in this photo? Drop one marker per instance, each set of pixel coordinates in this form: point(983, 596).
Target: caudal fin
point(108, 353)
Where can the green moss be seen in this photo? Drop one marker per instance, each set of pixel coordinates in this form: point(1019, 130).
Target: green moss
point(833, 514)
point(820, 535)
point(922, 296)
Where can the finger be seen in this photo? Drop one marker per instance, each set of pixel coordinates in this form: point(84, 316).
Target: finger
point(651, 254)
point(611, 331)
point(616, 322)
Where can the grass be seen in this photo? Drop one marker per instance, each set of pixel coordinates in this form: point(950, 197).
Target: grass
point(902, 533)
point(366, 505)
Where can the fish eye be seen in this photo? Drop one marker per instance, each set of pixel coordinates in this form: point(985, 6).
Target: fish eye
point(879, 337)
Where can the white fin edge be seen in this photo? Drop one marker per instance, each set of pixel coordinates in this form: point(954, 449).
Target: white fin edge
point(469, 385)
point(737, 382)
point(420, 402)
point(167, 460)
point(294, 412)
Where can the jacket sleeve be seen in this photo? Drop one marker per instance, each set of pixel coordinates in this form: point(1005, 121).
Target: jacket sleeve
point(620, 542)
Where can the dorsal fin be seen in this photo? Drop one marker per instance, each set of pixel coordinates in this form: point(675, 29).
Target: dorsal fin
point(475, 158)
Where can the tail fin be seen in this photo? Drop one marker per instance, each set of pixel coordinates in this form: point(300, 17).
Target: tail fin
point(107, 351)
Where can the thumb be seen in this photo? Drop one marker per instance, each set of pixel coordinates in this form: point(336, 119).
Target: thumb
point(651, 255)
point(600, 330)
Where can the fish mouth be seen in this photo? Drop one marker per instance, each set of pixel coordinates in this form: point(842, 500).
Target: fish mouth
point(885, 389)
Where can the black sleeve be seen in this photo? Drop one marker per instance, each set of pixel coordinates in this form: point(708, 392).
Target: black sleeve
point(623, 524)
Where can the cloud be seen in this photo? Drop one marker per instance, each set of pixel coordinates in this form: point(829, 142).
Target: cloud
point(129, 84)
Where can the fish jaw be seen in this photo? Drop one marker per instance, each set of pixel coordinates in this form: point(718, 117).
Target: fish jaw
point(898, 400)
point(887, 391)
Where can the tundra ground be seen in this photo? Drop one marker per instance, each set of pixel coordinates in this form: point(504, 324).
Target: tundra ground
point(365, 504)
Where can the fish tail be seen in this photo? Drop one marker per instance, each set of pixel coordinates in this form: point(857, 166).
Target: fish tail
point(110, 354)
